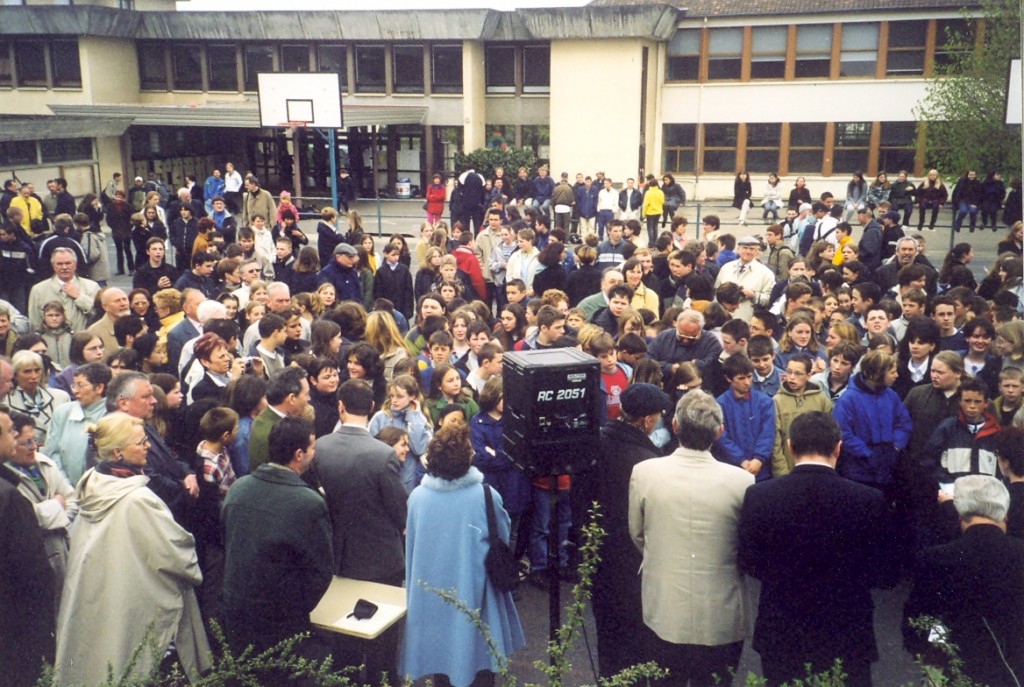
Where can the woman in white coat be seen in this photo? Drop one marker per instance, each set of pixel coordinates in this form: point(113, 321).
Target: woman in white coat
point(131, 573)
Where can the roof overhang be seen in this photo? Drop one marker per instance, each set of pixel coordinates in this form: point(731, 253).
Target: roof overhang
point(43, 127)
point(234, 116)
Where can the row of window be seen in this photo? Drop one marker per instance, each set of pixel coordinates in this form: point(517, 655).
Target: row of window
point(40, 63)
point(376, 68)
point(47, 151)
point(809, 148)
point(812, 51)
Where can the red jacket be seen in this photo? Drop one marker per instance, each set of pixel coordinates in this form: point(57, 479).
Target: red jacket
point(467, 262)
point(436, 195)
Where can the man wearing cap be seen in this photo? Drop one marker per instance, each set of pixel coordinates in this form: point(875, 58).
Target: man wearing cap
point(342, 274)
point(137, 194)
point(346, 189)
point(625, 442)
point(683, 517)
point(562, 200)
point(754, 278)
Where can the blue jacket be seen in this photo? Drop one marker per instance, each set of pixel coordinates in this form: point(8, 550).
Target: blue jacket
point(770, 385)
point(346, 282)
point(543, 188)
point(876, 428)
point(586, 201)
point(514, 486)
point(749, 430)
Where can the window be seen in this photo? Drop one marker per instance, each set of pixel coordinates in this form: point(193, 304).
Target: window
point(370, 68)
point(680, 144)
point(67, 71)
point(538, 139)
point(407, 68)
point(500, 68)
point(725, 53)
point(851, 146)
point(537, 69)
point(446, 68)
point(906, 48)
point(953, 37)
point(222, 65)
point(65, 149)
point(295, 58)
point(500, 135)
point(897, 147)
point(720, 147)
point(6, 74)
point(683, 56)
point(16, 153)
point(30, 63)
point(763, 147)
point(333, 58)
point(258, 58)
point(152, 66)
point(187, 65)
point(806, 141)
point(859, 50)
point(813, 50)
point(768, 52)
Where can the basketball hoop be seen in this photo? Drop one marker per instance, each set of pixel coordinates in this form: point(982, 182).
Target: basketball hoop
point(293, 125)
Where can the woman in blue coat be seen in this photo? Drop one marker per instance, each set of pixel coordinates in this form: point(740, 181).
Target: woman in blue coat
point(876, 426)
point(446, 542)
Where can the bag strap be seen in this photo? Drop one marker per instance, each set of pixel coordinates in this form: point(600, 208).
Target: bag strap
point(492, 526)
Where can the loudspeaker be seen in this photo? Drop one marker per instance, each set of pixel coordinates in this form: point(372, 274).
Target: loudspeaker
point(552, 410)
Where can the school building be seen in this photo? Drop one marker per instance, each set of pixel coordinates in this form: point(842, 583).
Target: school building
point(817, 88)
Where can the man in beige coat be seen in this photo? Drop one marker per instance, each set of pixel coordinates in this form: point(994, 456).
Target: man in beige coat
point(683, 516)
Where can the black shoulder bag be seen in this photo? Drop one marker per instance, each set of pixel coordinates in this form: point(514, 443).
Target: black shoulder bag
point(500, 563)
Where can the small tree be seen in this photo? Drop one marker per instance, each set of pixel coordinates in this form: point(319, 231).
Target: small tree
point(963, 111)
point(485, 160)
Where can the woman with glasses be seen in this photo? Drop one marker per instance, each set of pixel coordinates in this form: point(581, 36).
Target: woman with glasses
point(30, 395)
point(132, 570)
point(48, 490)
point(85, 347)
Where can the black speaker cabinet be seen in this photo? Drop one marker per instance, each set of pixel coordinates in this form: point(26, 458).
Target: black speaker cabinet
point(552, 410)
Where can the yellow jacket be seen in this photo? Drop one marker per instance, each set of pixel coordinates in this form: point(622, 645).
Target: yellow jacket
point(31, 209)
point(654, 202)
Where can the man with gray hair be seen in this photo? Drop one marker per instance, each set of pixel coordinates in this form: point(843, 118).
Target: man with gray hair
point(170, 478)
point(114, 302)
point(683, 516)
point(972, 587)
point(685, 342)
point(76, 294)
point(908, 252)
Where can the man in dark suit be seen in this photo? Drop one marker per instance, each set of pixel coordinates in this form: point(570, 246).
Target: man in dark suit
point(186, 330)
point(972, 586)
point(362, 483)
point(818, 543)
point(287, 396)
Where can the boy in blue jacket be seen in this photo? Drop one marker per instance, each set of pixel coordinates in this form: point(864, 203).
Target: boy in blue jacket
point(749, 419)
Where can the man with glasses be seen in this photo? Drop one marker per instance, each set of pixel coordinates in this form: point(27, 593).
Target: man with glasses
point(687, 341)
point(754, 278)
point(170, 478)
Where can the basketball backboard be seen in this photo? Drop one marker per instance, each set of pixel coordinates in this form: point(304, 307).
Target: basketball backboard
point(292, 99)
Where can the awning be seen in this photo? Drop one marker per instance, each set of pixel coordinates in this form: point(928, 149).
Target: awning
point(233, 115)
point(42, 127)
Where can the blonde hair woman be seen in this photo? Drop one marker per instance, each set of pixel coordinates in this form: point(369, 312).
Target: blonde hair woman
point(131, 570)
point(382, 333)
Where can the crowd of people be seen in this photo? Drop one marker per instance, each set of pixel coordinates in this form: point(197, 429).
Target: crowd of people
point(257, 414)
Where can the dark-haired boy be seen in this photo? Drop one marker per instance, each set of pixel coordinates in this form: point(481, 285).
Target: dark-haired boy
point(767, 377)
point(273, 333)
point(748, 419)
point(438, 350)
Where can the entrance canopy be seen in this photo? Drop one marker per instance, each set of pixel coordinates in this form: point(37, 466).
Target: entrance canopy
point(233, 115)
